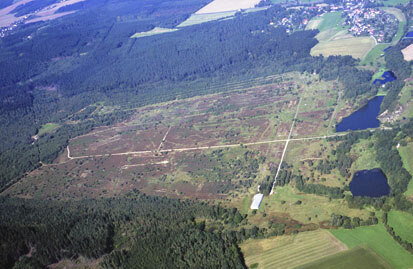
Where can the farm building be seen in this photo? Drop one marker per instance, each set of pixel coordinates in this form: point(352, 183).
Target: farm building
point(256, 201)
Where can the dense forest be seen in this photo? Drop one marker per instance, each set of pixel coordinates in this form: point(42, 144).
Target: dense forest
point(138, 230)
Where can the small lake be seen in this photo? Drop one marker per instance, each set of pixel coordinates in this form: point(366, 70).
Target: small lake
point(371, 183)
point(364, 118)
point(387, 76)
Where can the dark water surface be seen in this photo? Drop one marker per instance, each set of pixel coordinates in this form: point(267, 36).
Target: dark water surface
point(371, 183)
point(387, 76)
point(364, 118)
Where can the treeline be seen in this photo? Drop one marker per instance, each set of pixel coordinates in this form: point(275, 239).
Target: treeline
point(136, 231)
point(319, 189)
point(351, 223)
point(401, 69)
point(390, 161)
point(404, 243)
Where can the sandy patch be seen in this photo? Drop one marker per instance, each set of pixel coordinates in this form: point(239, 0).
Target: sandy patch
point(408, 53)
point(227, 5)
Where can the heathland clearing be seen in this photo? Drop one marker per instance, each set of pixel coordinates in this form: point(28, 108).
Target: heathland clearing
point(175, 148)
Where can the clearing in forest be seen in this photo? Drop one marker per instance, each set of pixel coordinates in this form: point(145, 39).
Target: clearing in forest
point(289, 251)
point(154, 31)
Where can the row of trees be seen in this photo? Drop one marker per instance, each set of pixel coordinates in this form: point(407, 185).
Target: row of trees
point(351, 223)
point(404, 243)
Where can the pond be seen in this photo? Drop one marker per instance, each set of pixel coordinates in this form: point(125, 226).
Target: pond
point(371, 183)
point(364, 118)
point(387, 76)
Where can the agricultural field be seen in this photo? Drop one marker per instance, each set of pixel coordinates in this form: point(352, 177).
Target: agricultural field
point(408, 53)
point(285, 1)
point(356, 258)
point(401, 222)
point(201, 18)
point(357, 47)
point(289, 251)
point(227, 5)
point(376, 238)
point(330, 21)
point(7, 18)
point(334, 39)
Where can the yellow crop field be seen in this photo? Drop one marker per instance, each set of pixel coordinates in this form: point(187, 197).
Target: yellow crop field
point(227, 5)
point(358, 47)
point(289, 251)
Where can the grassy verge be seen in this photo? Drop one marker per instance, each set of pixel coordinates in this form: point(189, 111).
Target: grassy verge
point(377, 238)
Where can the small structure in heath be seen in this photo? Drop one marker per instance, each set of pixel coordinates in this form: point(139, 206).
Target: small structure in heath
point(256, 201)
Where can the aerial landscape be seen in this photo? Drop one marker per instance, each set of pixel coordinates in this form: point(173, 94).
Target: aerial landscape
point(206, 134)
